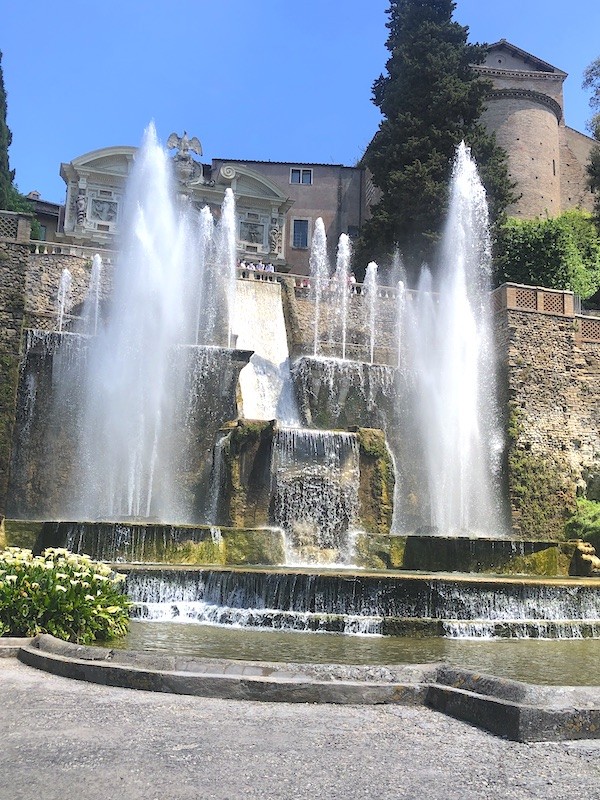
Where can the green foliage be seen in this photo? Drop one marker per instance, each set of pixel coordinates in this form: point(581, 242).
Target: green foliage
point(68, 596)
point(559, 253)
point(431, 99)
point(585, 522)
point(6, 174)
point(591, 80)
point(541, 487)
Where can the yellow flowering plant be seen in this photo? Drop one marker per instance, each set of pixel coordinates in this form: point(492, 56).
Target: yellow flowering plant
point(58, 592)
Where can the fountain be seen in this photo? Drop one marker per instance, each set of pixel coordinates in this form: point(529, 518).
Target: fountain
point(320, 457)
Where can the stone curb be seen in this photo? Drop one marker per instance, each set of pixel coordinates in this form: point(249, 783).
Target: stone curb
point(216, 681)
point(10, 645)
point(506, 708)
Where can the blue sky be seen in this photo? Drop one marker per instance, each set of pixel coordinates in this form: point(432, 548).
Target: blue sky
point(262, 80)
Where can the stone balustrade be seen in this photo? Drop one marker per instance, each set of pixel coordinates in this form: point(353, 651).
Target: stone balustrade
point(15, 226)
point(553, 302)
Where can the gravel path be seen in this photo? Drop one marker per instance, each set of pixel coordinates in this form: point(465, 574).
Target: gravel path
point(62, 739)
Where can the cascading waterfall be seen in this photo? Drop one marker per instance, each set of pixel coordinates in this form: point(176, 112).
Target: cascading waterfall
point(370, 290)
point(315, 491)
point(63, 299)
point(265, 383)
point(451, 362)
point(319, 277)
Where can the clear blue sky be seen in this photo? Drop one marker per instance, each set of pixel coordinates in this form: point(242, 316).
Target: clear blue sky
point(261, 80)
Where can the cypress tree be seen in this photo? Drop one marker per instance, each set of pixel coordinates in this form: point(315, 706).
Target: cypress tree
point(6, 174)
point(431, 99)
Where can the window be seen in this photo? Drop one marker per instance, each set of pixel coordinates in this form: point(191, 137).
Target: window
point(300, 234)
point(42, 233)
point(298, 175)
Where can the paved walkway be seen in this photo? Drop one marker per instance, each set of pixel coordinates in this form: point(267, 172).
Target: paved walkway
point(62, 739)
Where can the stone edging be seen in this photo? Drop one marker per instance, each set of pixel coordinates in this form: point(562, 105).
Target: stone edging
point(511, 709)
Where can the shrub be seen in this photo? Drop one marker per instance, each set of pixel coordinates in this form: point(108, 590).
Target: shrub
point(69, 596)
point(559, 253)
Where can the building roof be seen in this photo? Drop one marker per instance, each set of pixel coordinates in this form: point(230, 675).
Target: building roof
point(536, 63)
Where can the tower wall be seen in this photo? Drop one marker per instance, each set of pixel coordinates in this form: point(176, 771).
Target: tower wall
point(528, 129)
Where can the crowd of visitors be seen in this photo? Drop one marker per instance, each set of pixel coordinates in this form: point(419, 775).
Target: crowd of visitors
point(258, 266)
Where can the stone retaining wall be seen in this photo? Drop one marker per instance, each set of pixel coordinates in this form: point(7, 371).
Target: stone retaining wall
point(13, 268)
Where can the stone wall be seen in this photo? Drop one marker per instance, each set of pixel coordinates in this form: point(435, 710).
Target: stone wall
point(358, 339)
point(13, 268)
point(551, 380)
point(43, 278)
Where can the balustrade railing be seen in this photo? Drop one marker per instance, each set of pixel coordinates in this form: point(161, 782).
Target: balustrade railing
point(62, 249)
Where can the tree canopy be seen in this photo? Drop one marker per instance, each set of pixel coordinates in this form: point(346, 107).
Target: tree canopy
point(431, 99)
point(6, 174)
point(559, 253)
point(591, 80)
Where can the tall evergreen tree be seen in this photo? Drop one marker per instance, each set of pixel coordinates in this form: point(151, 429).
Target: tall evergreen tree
point(6, 174)
point(431, 99)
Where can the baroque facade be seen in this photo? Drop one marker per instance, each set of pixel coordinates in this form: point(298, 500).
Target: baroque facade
point(277, 203)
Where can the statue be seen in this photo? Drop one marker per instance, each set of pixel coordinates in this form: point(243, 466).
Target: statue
point(584, 562)
point(184, 145)
point(275, 238)
point(80, 204)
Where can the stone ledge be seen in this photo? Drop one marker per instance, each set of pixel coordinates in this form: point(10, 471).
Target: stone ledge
point(506, 708)
point(10, 646)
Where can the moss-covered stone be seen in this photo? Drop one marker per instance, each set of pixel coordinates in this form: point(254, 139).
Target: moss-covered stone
point(372, 552)
point(253, 547)
point(376, 490)
point(247, 458)
point(164, 544)
point(20, 533)
point(542, 487)
point(553, 561)
point(397, 548)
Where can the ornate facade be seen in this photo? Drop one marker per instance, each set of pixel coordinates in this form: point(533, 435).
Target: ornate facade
point(277, 203)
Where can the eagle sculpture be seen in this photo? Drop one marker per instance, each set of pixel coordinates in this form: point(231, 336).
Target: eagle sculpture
point(184, 145)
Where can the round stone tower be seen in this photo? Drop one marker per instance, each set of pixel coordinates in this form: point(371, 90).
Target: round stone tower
point(525, 110)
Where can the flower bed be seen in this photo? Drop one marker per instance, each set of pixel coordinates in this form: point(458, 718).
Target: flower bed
point(66, 595)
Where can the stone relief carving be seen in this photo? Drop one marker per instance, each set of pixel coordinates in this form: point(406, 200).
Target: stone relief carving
point(252, 232)
point(104, 210)
point(80, 206)
point(275, 238)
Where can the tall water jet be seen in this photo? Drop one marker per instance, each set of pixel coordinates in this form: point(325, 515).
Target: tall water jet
point(226, 257)
point(63, 298)
point(206, 306)
point(453, 366)
point(130, 394)
point(319, 276)
point(370, 290)
point(401, 305)
point(341, 288)
point(90, 314)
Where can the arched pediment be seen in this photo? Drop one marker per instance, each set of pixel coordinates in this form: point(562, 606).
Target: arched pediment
point(108, 160)
point(249, 183)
